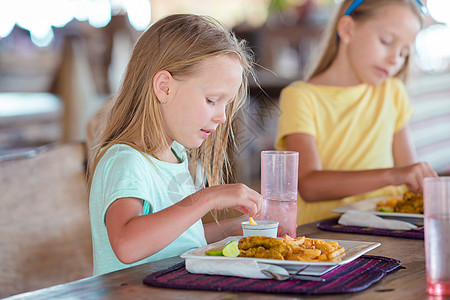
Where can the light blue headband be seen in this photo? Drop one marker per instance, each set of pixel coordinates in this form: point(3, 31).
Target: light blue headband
point(357, 3)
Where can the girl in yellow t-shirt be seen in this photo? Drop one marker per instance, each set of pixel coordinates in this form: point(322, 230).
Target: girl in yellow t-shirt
point(349, 119)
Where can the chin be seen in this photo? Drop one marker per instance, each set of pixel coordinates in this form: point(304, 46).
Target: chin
point(375, 81)
point(192, 145)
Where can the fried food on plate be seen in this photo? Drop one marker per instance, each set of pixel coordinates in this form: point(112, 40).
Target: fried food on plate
point(307, 249)
point(288, 248)
point(410, 203)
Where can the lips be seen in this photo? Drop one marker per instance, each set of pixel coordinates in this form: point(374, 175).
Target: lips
point(207, 132)
point(383, 72)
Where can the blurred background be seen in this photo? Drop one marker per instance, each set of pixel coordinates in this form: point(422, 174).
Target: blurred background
point(60, 60)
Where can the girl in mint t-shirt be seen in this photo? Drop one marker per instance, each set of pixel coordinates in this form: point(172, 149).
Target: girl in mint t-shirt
point(185, 81)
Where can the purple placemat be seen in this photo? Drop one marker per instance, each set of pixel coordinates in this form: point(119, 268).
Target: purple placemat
point(333, 225)
point(354, 276)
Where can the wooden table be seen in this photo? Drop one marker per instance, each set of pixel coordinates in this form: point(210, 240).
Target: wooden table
point(409, 282)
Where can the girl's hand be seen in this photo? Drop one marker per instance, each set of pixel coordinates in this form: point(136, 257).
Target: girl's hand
point(413, 176)
point(237, 196)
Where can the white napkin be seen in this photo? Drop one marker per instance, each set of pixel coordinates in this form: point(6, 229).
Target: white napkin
point(241, 267)
point(366, 219)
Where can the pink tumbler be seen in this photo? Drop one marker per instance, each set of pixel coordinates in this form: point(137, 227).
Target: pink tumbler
point(279, 180)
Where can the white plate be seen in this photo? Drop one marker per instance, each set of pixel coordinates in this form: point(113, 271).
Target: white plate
point(353, 250)
point(369, 205)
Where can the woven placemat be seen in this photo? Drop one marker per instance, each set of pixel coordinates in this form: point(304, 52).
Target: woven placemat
point(333, 225)
point(354, 276)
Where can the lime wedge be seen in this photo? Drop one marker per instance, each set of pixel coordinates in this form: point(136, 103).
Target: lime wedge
point(214, 251)
point(231, 249)
point(385, 210)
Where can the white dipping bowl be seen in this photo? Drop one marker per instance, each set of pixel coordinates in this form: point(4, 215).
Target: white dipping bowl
point(263, 228)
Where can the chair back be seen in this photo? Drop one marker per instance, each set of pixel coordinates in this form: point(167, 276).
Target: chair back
point(44, 219)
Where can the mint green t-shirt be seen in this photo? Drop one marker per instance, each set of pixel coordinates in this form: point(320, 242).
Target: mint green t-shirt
point(125, 172)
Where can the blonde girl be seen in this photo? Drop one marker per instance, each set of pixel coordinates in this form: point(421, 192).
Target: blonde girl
point(348, 120)
point(186, 79)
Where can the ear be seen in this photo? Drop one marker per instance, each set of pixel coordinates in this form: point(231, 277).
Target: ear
point(161, 82)
point(345, 28)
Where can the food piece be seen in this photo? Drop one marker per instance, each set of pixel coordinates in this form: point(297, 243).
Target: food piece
point(231, 249)
point(387, 205)
point(251, 221)
point(284, 249)
point(261, 252)
point(214, 251)
point(256, 241)
point(382, 209)
point(311, 253)
point(411, 203)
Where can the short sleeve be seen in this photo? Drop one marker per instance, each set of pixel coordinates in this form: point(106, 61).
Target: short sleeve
point(296, 114)
point(124, 176)
point(402, 104)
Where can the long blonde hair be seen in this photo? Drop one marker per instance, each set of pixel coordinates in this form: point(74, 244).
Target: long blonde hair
point(330, 40)
point(177, 44)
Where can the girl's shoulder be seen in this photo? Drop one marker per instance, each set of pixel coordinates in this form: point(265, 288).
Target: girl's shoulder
point(299, 88)
point(394, 83)
point(307, 90)
point(298, 84)
point(306, 86)
point(127, 154)
point(393, 86)
point(123, 153)
point(121, 149)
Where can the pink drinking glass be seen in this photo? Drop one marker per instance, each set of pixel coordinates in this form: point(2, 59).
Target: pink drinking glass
point(437, 234)
point(279, 180)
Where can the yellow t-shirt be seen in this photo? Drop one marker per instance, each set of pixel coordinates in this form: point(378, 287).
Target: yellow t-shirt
point(353, 128)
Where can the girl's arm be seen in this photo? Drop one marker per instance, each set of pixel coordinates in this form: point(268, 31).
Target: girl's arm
point(316, 184)
point(403, 148)
point(404, 160)
point(134, 237)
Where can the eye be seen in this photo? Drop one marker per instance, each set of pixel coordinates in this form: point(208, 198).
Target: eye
point(385, 41)
point(210, 101)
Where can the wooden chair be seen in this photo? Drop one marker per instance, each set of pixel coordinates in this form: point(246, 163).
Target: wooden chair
point(44, 219)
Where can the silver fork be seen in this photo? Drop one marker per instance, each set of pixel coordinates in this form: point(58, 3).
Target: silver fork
point(278, 276)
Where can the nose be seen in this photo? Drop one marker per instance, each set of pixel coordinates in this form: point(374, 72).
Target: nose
point(220, 115)
point(395, 58)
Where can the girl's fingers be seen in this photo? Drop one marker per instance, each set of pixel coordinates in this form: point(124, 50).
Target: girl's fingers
point(253, 203)
point(430, 172)
point(238, 196)
point(250, 209)
point(257, 199)
point(427, 171)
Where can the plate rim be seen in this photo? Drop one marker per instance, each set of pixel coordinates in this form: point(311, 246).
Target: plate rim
point(369, 246)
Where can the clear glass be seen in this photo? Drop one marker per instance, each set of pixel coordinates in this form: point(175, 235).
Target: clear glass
point(279, 181)
point(437, 234)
